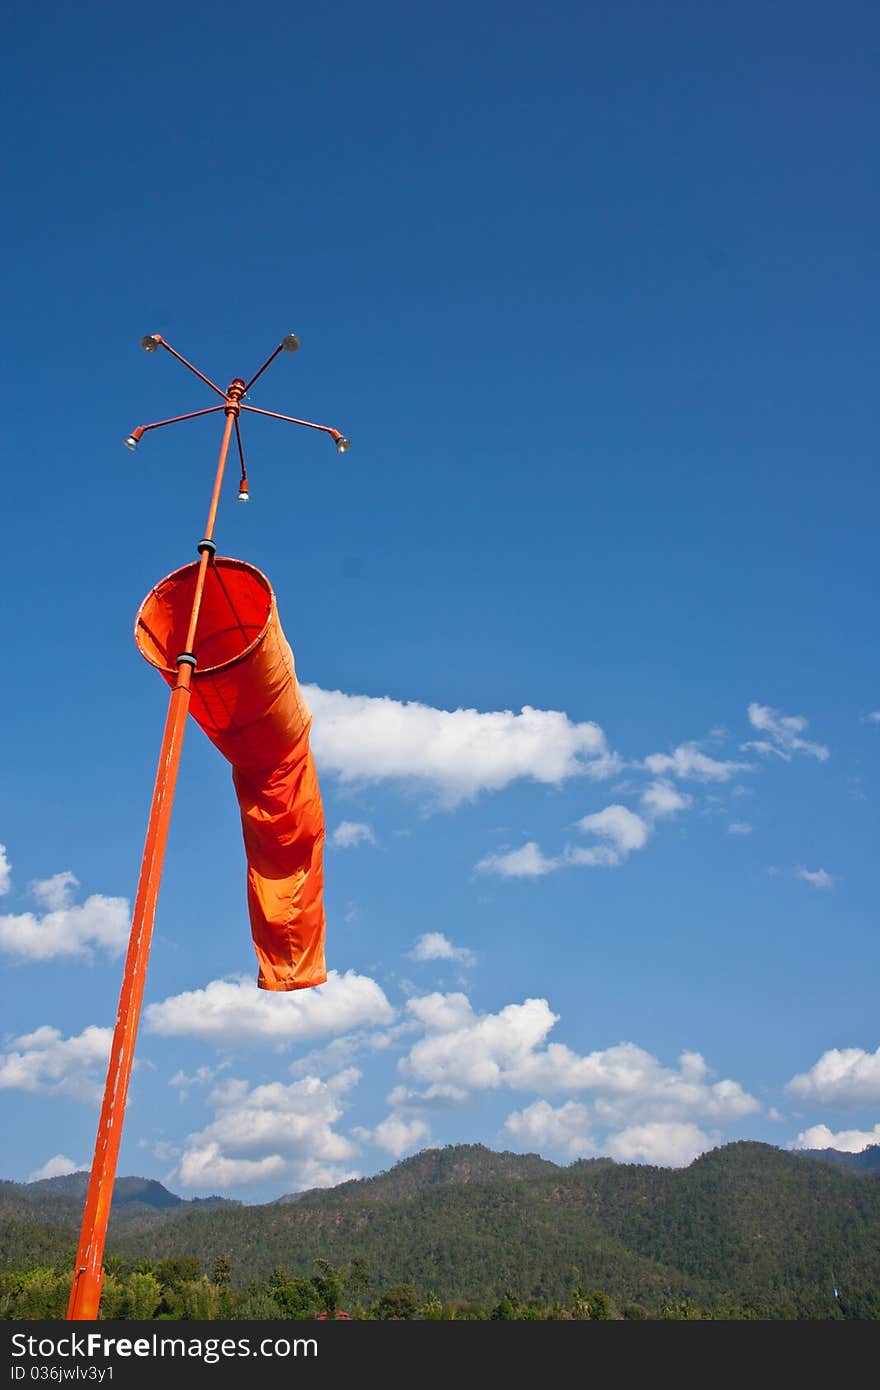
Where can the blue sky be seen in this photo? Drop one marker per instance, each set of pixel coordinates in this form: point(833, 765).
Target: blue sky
point(591, 601)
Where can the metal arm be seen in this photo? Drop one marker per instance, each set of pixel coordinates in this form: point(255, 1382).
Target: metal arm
point(135, 437)
point(243, 490)
point(341, 442)
point(154, 340)
point(288, 344)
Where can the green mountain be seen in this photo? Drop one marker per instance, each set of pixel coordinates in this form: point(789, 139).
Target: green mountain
point(746, 1226)
point(868, 1161)
point(125, 1190)
point(59, 1201)
point(457, 1163)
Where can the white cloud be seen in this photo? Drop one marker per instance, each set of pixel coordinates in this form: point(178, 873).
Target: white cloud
point(462, 1048)
point(619, 830)
point(64, 930)
point(762, 745)
point(874, 716)
point(783, 734)
point(595, 857)
point(628, 1081)
point(352, 832)
point(202, 1076)
point(395, 1134)
point(433, 945)
point(206, 1168)
point(525, 862)
point(234, 1011)
point(850, 1141)
point(663, 799)
point(466, 1050)
point(739, 827)
point(563, 1130)
point(56, 892)
point(5, 871)
point(817, 878)
point(281, 1132)
point(163, 1149)
point(690, 762)
point(622, 830)
point(459, 753)
point(669, 1145)
point(847, 1077)
point(58, 1166)
point(44, 1062)
point(322, 1061)
point(439, 1097)
point(325, 1061)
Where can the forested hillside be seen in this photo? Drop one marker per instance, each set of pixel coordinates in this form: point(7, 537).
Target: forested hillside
point(747, 1227)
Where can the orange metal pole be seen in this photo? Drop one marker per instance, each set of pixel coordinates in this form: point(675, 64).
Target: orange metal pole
point(88, 1277)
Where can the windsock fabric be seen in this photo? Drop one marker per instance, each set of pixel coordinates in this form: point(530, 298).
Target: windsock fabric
point(246, 697)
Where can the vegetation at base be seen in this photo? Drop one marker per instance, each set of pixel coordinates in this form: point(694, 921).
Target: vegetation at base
point(747, 1231)
point(177, 1290)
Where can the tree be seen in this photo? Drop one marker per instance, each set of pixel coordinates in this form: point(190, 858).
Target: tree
point(580, 1303)
point(432, 1309)
point(531, 1312)
point(42, 1294)
point(114, 1297)
point(358, 1279)
point(399, 1302)
point(223, 1271)
point(598, 1306)
point(297, 1298)
point(328, 1286)
point(681, 1310)
point(179, 1269)
point(256, 1306)
point(143, 1296)
point(467, 1310)
point(633, 1312)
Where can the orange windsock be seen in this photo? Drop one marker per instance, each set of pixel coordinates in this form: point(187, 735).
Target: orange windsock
point(246, 697)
